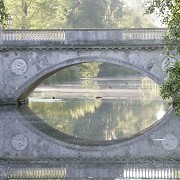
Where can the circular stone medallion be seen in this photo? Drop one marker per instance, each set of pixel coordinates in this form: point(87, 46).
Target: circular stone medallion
point(165, 61)
point(19, 67)
point(170, 142)
point(19, 142)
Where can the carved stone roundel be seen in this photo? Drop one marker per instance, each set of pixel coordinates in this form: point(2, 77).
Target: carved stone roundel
point(164, 63)
point(170, 142)
point(19, 142)
point(19, 67)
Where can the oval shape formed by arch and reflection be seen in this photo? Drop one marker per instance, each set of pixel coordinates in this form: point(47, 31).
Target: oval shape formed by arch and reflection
point(98, 102)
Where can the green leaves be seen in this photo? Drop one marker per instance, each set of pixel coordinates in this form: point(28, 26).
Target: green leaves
point(169, 11)
point(3, 14)
point(37, 14)
point(170, 89)
point(54, 14)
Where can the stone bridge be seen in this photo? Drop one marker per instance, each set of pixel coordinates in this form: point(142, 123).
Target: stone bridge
point(29, 56)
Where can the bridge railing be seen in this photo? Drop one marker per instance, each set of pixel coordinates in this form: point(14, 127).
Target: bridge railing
point(69, 35)
point(144, 34)
point(33, 35)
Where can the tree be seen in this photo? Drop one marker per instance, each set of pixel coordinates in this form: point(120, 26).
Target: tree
point(87, 14)
point(42, 14)
point(3, 14)
point(169, 12)
point(114, 12)
point(171, 87)
point(89, 70)
point(120, 15)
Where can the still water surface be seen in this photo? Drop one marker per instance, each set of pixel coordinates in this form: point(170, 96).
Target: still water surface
point(100, 109)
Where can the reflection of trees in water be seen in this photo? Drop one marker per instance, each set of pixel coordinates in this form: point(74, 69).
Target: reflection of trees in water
point(134, 116)
point(63, 115)
point(117, 120)
point(98, 119)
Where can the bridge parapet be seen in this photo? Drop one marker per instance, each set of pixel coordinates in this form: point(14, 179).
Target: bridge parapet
point(84, 36)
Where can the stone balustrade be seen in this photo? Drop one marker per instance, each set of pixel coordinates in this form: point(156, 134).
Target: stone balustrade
point(69, 35)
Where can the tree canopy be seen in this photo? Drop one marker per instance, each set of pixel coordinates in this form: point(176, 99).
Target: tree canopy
point(50, 14)
point(169, 12)
point(3, 14)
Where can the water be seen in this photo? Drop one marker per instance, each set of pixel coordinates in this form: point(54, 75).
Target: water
point(94, 111)
point(100, 109)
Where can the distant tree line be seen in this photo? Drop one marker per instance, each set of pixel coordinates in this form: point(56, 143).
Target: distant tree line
point(50, 14)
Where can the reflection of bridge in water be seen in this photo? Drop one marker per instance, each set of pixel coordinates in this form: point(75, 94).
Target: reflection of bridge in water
point(24, 136)
point(28, 57)
point(92, 170)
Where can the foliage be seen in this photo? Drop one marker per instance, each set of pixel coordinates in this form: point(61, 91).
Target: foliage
point(88, 14)
point(43, 14)
point(3, 14)
point(169, 11)
point(64, 75)
point(114, 13)
point(129, 20)
point(171, 87)
point(89, 70)
point(49, 14)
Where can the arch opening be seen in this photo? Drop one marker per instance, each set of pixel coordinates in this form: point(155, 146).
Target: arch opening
point(23, 92)
point(101, 108)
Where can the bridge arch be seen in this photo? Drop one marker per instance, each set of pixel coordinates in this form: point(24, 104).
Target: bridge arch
point(26, 88)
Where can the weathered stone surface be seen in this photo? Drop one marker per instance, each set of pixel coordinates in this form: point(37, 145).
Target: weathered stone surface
point(1, 79)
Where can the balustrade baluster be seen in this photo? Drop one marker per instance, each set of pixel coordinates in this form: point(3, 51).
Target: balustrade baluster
point(44, 35)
